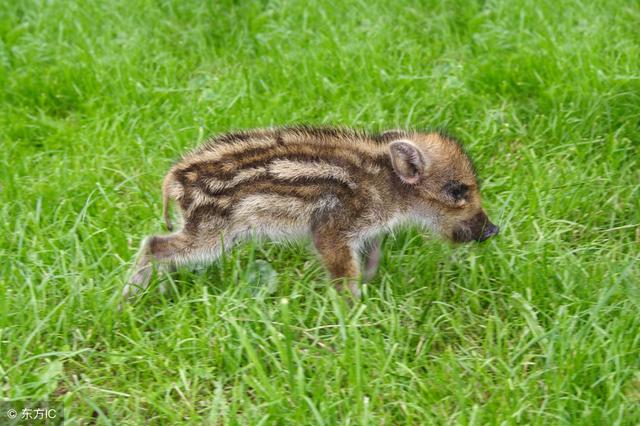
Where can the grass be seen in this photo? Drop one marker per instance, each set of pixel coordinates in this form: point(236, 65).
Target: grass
point(539, 326)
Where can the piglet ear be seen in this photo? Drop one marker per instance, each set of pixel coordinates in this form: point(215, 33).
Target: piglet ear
point(407, 160)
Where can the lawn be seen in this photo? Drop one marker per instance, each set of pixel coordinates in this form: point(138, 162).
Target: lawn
point(540, 325)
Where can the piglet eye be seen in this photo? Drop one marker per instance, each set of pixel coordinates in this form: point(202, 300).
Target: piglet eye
point(456, 190)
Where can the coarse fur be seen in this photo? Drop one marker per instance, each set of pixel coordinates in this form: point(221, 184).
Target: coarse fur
point(340, 186)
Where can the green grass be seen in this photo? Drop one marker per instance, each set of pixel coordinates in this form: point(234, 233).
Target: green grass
point(539, 326)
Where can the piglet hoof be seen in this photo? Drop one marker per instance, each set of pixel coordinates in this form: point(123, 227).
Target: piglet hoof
point(351, 294)
point(138, 282)
point(354, 289)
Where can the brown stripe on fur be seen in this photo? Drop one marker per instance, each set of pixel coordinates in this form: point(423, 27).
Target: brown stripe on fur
point(219, 146)
point(225, 169)
point(307, 188)
point(205, 213)
point(243, 175)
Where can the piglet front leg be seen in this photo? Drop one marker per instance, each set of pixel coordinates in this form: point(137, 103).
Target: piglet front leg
point(372, 254)
point(339, 258)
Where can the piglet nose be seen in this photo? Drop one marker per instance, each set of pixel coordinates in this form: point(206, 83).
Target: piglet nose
point(489, 231)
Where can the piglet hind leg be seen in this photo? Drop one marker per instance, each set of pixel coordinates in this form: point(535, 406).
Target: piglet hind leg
point(141, 272)
point(339, 258)
point(165, 253)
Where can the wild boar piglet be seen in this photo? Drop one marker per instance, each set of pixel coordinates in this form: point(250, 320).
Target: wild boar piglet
point(342, 188)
